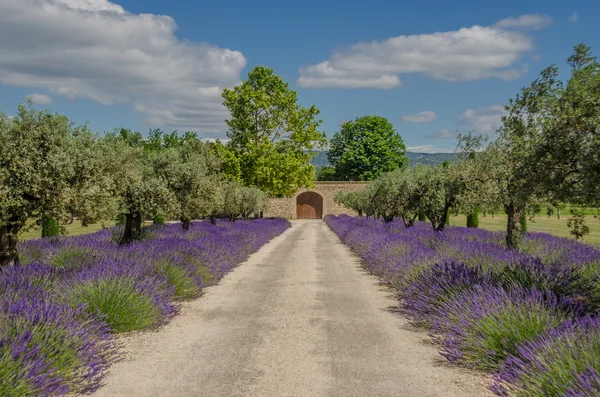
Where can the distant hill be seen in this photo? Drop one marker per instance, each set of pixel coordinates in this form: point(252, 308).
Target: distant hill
point(414, 158)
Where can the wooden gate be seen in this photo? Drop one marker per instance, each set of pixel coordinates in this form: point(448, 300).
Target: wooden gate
point(309, 205)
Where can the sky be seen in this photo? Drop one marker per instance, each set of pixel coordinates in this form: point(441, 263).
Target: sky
point(432, 68)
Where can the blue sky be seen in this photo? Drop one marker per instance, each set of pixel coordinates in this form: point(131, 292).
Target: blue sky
point(431, 67)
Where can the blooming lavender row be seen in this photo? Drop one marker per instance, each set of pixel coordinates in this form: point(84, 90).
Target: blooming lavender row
point(529, 317)
point(59, 312)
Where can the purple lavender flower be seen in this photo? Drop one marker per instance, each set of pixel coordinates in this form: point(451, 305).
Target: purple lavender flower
point(564, 361)
point(58, 312)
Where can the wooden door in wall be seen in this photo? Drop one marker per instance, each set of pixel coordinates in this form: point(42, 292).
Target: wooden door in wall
point(309, 205)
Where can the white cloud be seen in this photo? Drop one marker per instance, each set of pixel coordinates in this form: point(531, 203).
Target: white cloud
point(484, 120)
point(40, 99)
point(443, 134)
point(422, 117)
point(97, 50)
point(427, 149)
point(574, 17)
point(467, 54)
point(528, 21)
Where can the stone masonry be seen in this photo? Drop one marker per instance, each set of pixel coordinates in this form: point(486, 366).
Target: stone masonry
point(286, 207)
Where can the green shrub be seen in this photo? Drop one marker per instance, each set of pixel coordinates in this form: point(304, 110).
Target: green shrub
point(473, 219)
point(159, 219)
point(50, 227)
point(117, 300)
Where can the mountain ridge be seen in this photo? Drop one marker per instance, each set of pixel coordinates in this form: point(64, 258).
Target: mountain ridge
point(414, 158)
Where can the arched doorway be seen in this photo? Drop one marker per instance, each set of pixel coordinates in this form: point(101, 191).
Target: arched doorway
point(309, 205)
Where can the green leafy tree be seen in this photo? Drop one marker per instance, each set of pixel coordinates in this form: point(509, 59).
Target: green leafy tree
point(187, 170)
point(138, 189)
point(326, 174)
point(365, 148)
point(272, 138)
point(548, 145)
point(37, 174)
point(254, 201)
point(435, 195)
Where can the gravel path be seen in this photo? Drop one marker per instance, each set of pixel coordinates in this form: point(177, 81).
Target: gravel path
point(299, 318)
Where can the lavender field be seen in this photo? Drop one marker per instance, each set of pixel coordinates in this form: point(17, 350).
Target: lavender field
point(527, 317)
point(62, 307)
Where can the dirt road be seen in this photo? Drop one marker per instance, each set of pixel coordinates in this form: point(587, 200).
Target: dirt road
point(299, 318)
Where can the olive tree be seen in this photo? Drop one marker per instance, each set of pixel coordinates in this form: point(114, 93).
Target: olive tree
point(139, 190)
point(186, 170)
point(40, 157)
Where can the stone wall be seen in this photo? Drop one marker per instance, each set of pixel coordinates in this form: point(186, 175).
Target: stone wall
point(286, 207)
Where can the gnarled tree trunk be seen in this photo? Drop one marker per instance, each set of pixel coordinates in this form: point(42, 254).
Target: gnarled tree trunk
point(133, 228)
point(513, 225)
point(9, 254)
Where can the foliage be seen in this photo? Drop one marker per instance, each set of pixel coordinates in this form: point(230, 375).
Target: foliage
point(365, 148)
point(326, 174)
point(187, 171)
point(473, 218)
point(242, 201)
point(50, 226)
point(577, 223)
point(548, 145)
point(139, 190)
point(34, 170)
point(272, 138)
point(407, 192)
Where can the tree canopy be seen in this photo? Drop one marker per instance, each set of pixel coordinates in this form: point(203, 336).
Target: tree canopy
point(365, 148)
point(272, 137)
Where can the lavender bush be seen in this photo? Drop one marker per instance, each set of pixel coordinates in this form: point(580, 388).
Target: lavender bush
point(565, 361)
point(520, 313)
point(59, 312)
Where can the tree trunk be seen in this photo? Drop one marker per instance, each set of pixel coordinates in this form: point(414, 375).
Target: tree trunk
point(409, 222)
point(129, 232)
point(439, 225)
point(261, 214)
point(8, 245)
point(138, 224)
point(513, 225)
point(388, 218)
point(185, 224)
point(213, 221)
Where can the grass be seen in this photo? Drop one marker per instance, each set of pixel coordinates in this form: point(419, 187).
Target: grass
point(74, 229)
point(541, 223)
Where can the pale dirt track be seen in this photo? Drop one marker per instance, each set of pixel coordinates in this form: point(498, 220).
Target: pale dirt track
point(299, 318)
